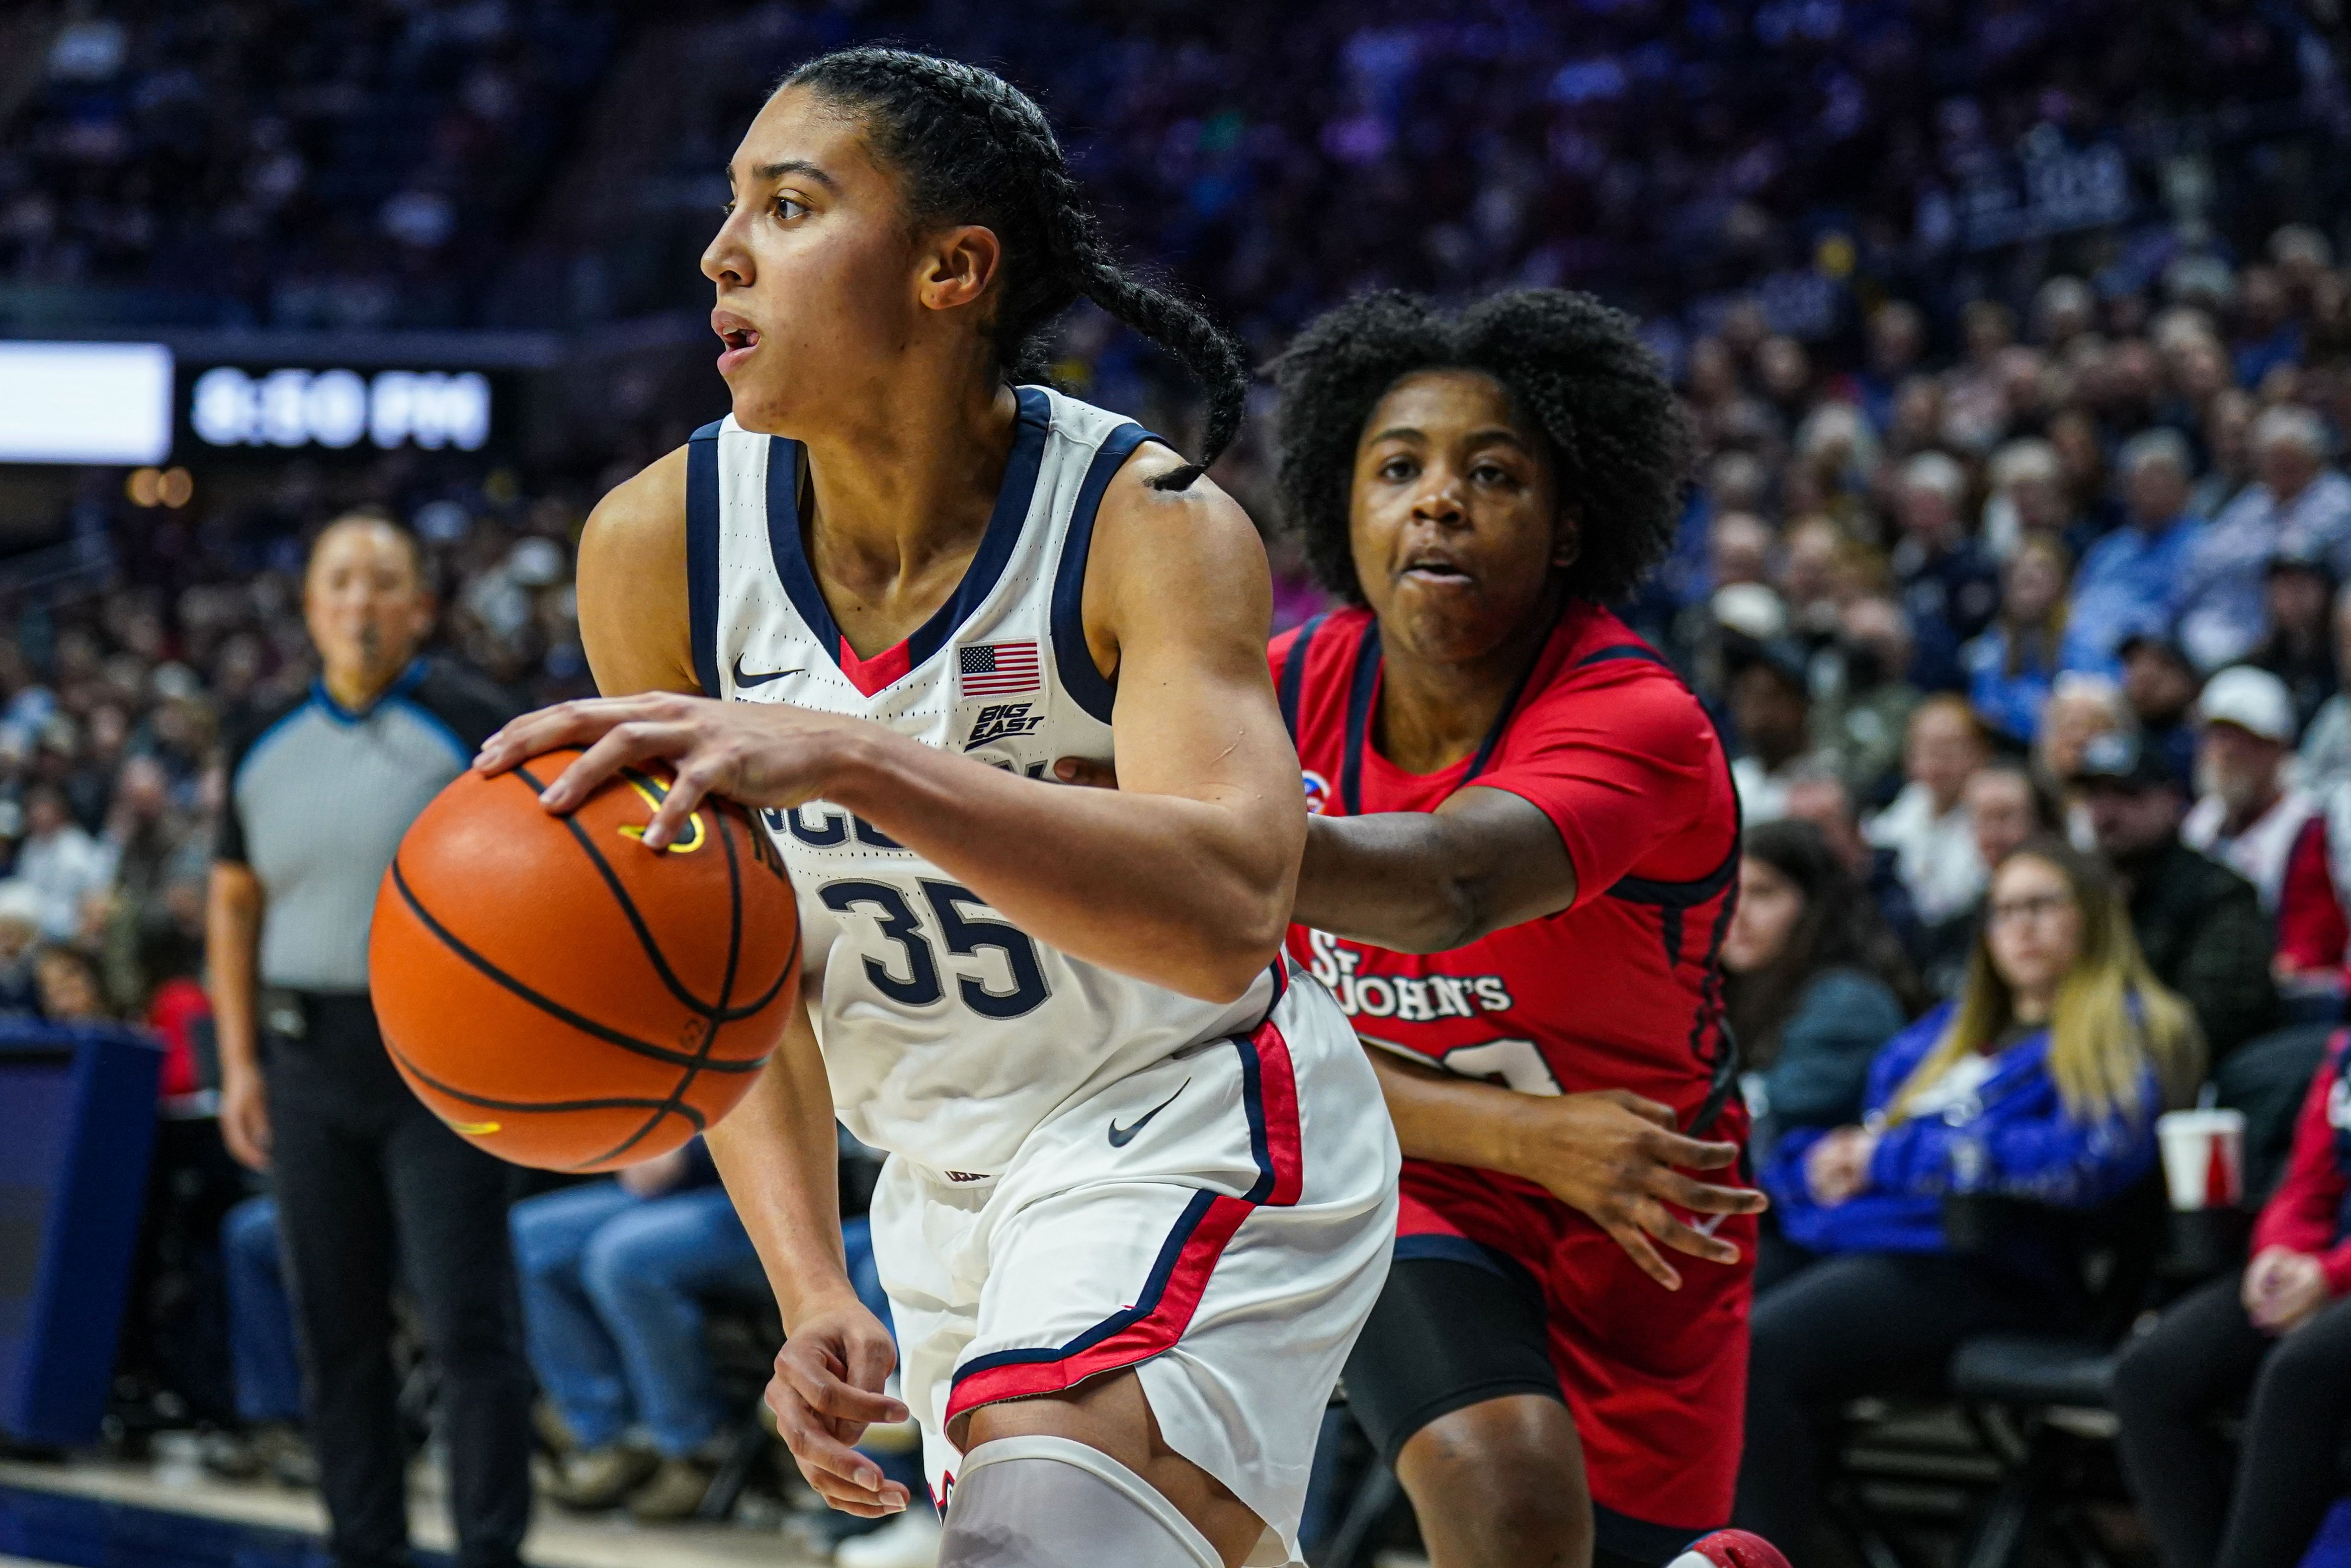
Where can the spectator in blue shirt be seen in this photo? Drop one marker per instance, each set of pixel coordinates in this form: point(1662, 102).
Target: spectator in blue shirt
point(2126, 582)
point(1949, 587)
point(2011, 667)
point(2041, 1083)
point(2300, 504)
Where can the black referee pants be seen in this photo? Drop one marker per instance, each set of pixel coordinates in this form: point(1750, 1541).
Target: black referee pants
point(2204, 1357)
point(371, 1188)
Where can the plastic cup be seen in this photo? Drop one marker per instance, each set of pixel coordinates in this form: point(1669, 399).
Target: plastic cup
point(2203, 1158)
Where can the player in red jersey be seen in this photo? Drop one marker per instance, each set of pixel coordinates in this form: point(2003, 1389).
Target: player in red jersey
point(1520, 871)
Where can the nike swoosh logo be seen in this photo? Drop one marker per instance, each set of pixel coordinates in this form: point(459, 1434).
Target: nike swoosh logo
point(1122, 1136)
point(745, 678)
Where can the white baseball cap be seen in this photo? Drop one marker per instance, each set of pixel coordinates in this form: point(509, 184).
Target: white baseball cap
point(2254, 700)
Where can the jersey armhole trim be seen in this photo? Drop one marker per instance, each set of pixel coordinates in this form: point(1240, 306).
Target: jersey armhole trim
point(1291, 689)
point(702, 555)
point(1073, 661)
point(1361, 685)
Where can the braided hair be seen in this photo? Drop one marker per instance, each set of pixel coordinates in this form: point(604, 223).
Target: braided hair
point(1621, 446)
point(971, 148)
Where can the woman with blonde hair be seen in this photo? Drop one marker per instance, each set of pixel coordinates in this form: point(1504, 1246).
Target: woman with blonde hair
point(2040, 1082)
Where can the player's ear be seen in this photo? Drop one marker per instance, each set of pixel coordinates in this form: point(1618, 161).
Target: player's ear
point(1566, 540)
point(956, 266)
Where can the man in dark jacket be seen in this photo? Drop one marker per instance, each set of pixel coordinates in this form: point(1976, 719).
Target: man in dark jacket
point(2200, 924)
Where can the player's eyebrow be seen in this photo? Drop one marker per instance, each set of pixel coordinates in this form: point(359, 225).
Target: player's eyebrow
point(1502, 434)
point(766, 172)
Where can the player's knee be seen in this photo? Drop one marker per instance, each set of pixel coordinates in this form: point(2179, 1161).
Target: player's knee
point(1052, 1503)
point(1507, 1466)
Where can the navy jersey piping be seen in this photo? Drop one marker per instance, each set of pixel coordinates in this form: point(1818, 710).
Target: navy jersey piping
point(1080, 676)
point(1292, 684)
point(1360, 686)
point(702, 554)
point(1359, 710)
point(979, 579)
point(1671, 898)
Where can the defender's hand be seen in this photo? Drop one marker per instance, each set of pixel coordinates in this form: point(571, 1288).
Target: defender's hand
point(827, 1390)
point(761, 754)
point(1616, 1157)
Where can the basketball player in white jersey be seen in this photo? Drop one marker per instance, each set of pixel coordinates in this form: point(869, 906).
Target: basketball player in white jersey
point(1141, 1186)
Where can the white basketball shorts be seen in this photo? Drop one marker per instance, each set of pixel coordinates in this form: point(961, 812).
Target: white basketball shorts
point(1221, 1222)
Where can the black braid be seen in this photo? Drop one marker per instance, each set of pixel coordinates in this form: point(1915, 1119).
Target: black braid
point(1621, 445)
point(973, 149)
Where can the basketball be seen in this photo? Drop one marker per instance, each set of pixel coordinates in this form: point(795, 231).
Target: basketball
point(566, 997)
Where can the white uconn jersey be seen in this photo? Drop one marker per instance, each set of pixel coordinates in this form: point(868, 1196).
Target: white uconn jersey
point(947, 1033)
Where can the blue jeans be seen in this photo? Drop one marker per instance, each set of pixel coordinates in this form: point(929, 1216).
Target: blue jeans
point(261, 1324)
point(612, 1289)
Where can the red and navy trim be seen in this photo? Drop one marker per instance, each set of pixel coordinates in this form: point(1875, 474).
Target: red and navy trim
point(892, 663)
point(1180, 1275)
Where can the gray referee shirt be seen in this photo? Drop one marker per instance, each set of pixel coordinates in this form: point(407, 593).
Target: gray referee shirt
point(319, 797)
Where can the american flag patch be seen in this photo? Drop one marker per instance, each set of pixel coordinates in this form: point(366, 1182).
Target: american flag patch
point(996, 669)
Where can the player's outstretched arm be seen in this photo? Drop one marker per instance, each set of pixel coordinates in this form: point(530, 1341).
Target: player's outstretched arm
point(1184, 878)
point(1610, 1154)
point(1419, 882)
point(1426, 882)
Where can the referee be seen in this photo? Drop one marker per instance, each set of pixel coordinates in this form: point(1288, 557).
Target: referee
point(370, 1187)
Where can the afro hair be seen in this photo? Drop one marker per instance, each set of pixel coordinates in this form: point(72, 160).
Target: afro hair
point(1621, 446)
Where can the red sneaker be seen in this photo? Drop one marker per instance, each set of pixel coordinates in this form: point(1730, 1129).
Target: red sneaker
point(1729, 1548)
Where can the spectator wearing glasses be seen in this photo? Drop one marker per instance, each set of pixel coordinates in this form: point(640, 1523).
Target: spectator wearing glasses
point(2041, 1081)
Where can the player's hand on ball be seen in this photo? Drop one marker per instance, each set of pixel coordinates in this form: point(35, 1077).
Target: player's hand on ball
point(827, 1390)
point(761, 754)
point(1616, 1157)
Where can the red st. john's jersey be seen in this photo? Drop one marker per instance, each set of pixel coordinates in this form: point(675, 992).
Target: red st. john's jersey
point(1620, 990)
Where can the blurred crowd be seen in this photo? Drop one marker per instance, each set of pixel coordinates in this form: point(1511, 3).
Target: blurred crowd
point(2097, 516)
point(350, 165)
point(387, 163)
point(2017, 571)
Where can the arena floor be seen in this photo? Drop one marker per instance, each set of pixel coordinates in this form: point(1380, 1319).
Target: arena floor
point(168, 1513)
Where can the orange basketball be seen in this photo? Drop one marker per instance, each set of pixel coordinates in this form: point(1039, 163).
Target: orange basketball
point(565, 996)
